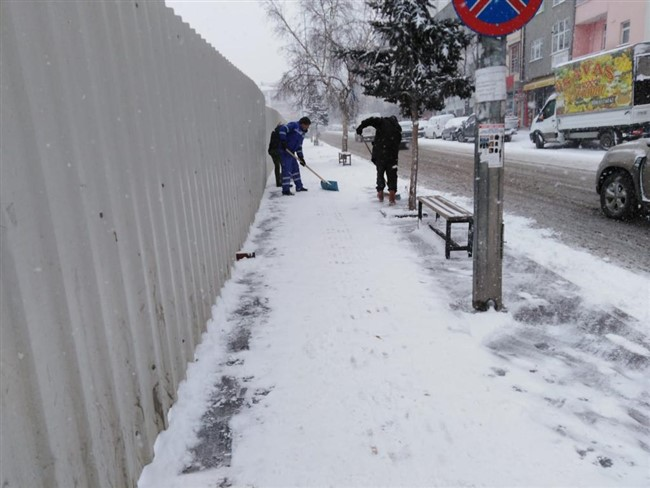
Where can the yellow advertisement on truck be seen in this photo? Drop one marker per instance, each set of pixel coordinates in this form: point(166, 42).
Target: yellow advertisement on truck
point(599, 83)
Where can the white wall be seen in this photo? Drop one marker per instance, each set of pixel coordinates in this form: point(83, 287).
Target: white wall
point(133, 161)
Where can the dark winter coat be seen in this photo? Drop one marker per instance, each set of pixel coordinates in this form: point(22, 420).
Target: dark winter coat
point(274, 142)
point(388, 137)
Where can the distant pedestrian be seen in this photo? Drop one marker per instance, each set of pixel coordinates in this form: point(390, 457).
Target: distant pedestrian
point(385, 148)
point(274, 152)
point(291, 137)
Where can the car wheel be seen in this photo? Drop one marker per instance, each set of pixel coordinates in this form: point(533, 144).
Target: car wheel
point(607, 139)
point(461, 137)
point(539, 141)
point(617, 197)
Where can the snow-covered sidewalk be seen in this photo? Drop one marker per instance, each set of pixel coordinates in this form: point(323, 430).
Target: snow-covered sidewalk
point(346, 353)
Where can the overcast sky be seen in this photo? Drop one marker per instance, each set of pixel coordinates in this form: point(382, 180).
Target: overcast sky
point(240, 31)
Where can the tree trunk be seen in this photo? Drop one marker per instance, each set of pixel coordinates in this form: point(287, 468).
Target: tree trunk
point(414, 157)
point(345, 113)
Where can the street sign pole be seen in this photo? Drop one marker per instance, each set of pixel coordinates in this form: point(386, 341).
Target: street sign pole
point(493, 20)
point(488, 175)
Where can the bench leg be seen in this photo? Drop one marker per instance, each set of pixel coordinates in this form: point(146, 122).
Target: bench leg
point(448, 241)
point(419, 210)
point(470, 238)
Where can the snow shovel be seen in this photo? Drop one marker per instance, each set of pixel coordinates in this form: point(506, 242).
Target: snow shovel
point(324, 184)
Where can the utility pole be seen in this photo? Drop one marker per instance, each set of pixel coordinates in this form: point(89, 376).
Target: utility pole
point(488, 174)
point(493, 20)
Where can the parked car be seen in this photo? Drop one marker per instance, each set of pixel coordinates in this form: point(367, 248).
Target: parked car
point(512, 122)
point(422, 127)
point(467, 131)
point(450, 132)
point(407, 133)
point(435, 125)
point(623, 180)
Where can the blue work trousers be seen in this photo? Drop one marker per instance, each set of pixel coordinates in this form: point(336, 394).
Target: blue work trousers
point(290, 171)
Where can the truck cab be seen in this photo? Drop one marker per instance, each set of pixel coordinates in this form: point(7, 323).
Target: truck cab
point(544, 127)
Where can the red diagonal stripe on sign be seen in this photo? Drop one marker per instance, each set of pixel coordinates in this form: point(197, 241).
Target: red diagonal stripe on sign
point(479, 6)
point(517, 5)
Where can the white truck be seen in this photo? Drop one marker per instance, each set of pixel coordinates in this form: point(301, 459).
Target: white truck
point(604, 97)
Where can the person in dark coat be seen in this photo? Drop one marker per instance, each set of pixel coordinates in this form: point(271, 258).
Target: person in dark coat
point(291, 137)
point(385, 148)
point(274, 152)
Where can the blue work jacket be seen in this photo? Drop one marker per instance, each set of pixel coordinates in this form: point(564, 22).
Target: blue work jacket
point(293, 135)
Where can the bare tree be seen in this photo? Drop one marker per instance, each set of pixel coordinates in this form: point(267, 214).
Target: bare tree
point(315, 32)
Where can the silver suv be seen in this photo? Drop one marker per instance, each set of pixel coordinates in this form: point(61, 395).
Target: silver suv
point(623, 180)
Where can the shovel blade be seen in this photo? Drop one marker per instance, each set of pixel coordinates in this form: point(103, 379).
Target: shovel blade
point(329, 185)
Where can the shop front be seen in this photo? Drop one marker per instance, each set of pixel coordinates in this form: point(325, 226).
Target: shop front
point(536, 92)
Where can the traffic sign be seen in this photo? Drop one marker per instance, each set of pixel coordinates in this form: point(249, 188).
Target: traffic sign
point(496, 17)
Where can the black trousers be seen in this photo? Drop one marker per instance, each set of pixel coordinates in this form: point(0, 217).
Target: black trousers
point(387, 175)
point(277, 163)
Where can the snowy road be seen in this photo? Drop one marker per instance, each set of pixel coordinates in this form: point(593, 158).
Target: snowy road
point(554, 187)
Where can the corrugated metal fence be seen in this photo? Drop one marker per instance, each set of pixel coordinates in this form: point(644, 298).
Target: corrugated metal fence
point(133, 163)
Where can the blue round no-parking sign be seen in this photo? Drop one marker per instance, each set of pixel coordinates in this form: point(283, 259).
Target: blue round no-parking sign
point(496, 17)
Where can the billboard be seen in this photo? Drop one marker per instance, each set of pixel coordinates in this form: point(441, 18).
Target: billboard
point(595, 84)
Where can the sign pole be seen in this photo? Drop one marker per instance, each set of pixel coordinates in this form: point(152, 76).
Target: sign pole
point(488, 175)
point(493, 20)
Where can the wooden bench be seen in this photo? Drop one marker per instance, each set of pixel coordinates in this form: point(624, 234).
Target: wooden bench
point(453, 214)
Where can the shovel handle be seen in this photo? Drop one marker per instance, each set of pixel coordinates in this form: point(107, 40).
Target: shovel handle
point(319, 176)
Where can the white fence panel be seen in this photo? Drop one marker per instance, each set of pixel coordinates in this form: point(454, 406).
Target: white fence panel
point(133, 162)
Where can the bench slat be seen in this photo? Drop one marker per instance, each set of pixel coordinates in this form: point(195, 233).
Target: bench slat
point(444, 207)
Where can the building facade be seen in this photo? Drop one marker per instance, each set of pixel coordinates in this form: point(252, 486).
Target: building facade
point(602, 25)
point(560, 31)
point(548, 41)
point(515, 100)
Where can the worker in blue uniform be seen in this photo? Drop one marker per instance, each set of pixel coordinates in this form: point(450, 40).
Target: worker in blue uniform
point(291, 137)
